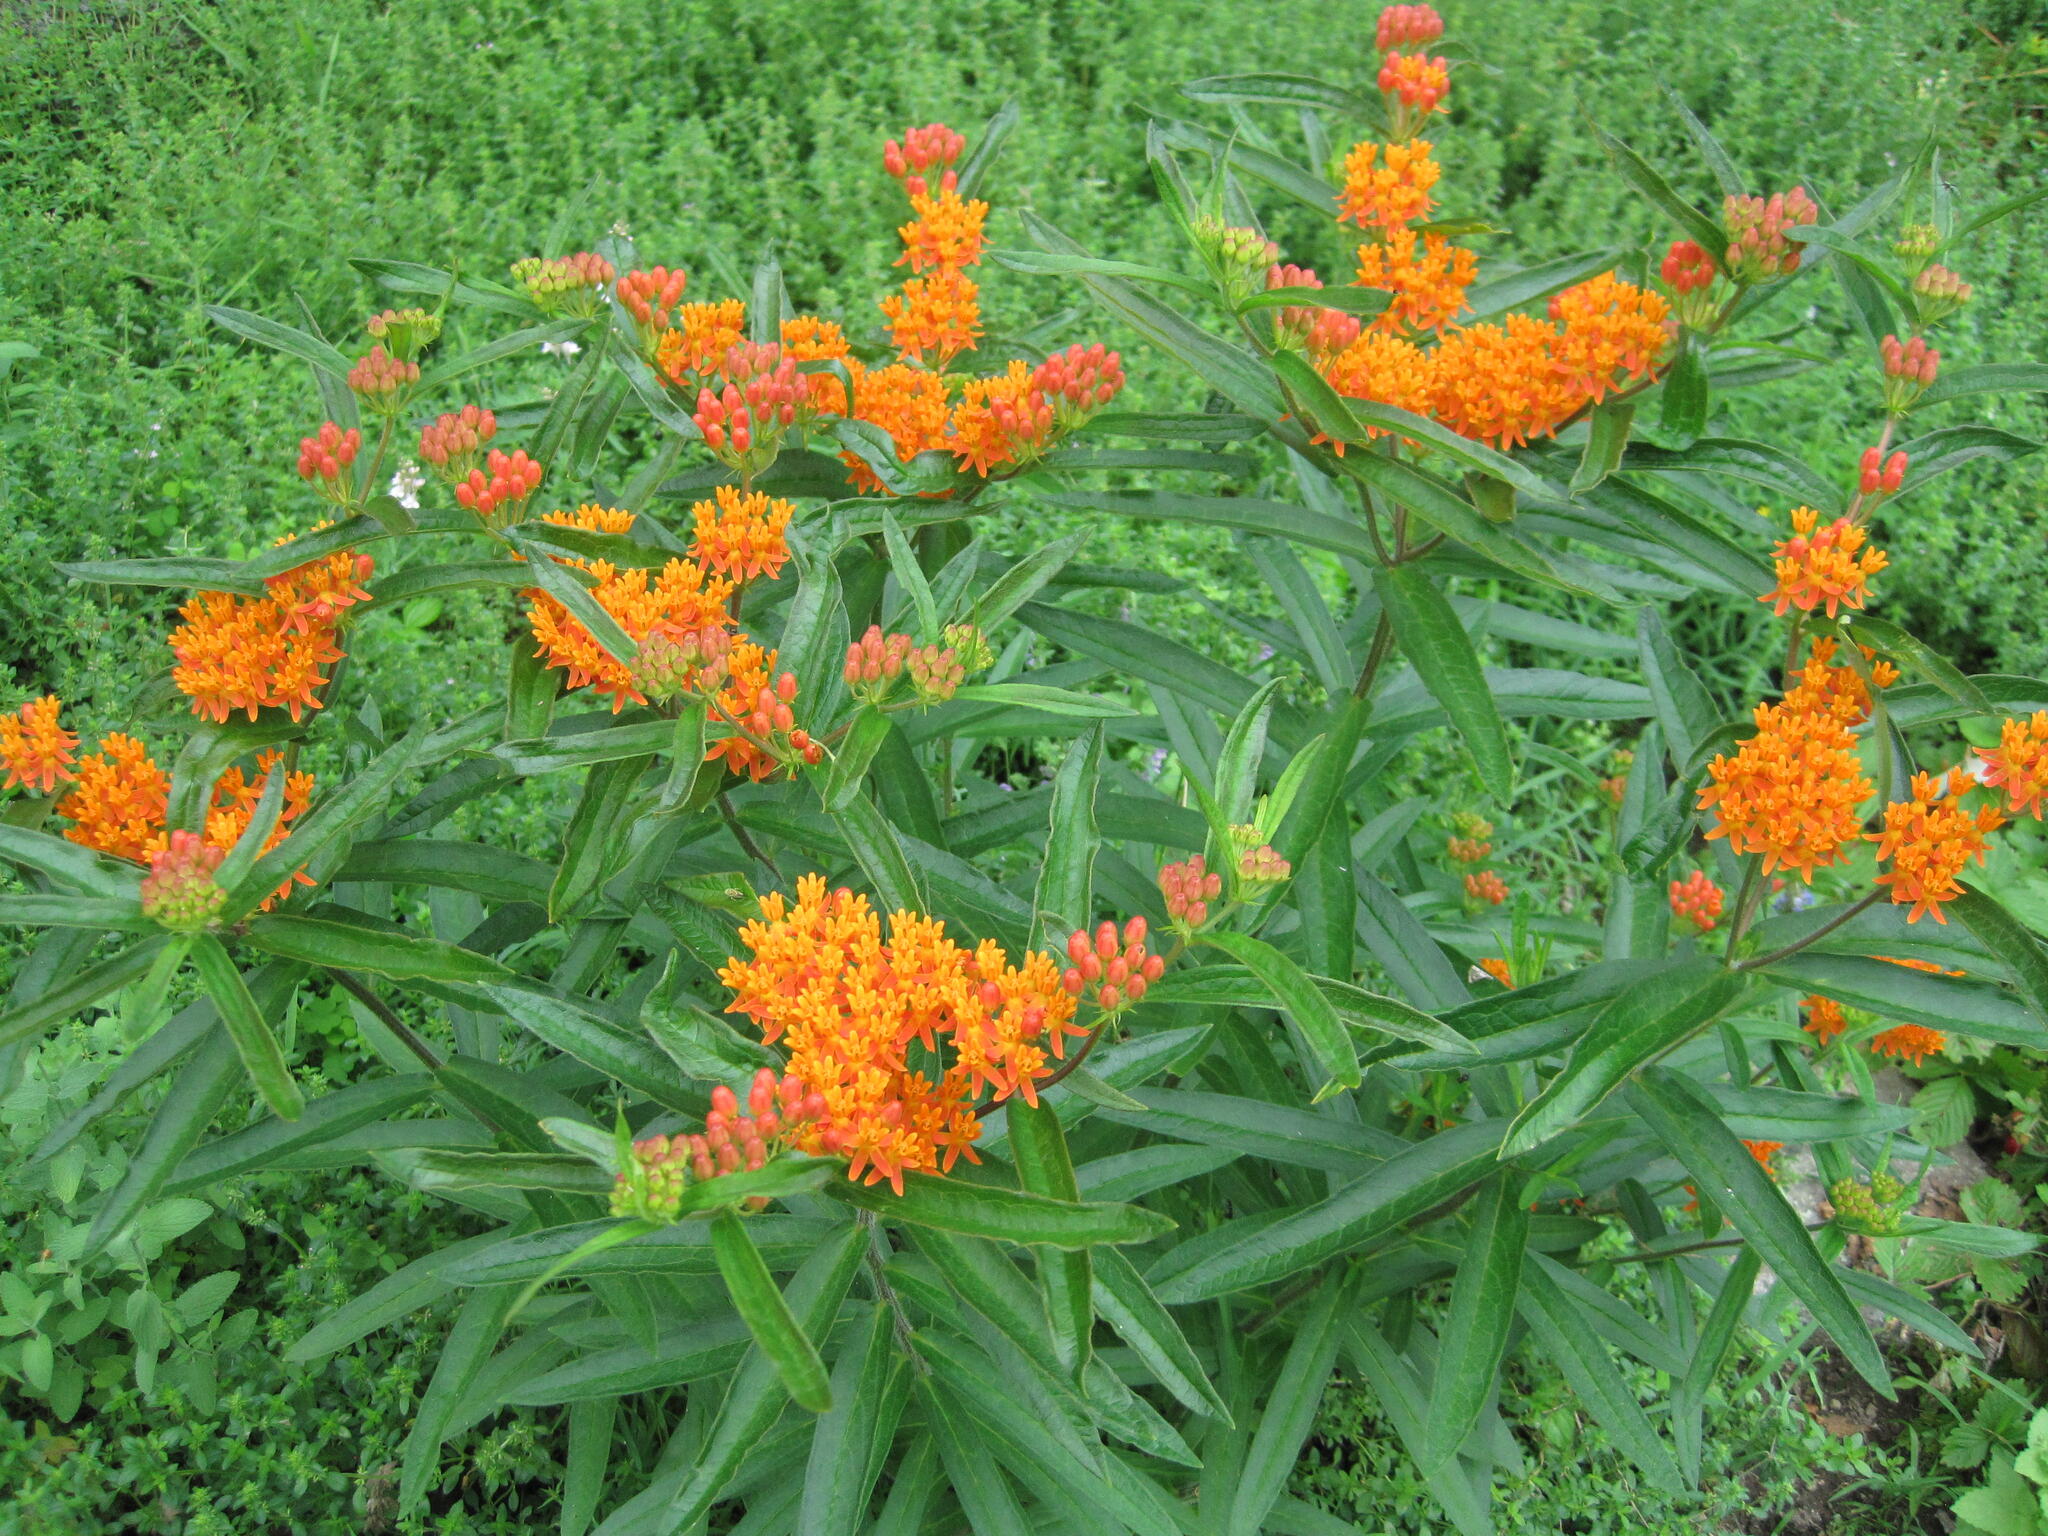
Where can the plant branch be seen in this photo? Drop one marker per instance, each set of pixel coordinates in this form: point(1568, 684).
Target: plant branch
point(1812, 938)
point(362, 992)
point(744, 838)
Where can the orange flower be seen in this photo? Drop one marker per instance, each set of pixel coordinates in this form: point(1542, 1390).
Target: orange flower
point(1763, 1152)
point(681, 600)
point(1386, 370)
point(741, 536)
point(1698, 900)
point(1428, 284)
point(852, 1004)
point(1824, 567)
point(1824, 1018)
point(704, 333)
point(939, 314)
point(592, 518)
point(1497, 968)
point(1909, 1042)
point(907, 403)
point(1001, 420)
point(809, 339)
point(1825, 688)
point(1486, 886)
point(1419, 82)
point(1610, 328)
point(1392, 192)
point(1501, 384)
point(945, 233)
point(2019, 763)
point(313, 593)
point(1929, 840)
point(36, 751)
point(758, 700)
point(1791, 791)
point(249, 653)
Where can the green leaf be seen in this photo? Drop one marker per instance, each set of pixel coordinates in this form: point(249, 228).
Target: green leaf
point(329, 824)
point(66, 998)
point(1689, 1392)
point(1053, 701)
point(1127, 1304)
point(1290, 1411)
point(594, 845)
point(570, 587)
point(1915, 655)
point(398, 1294)
point(1986, 378)
point(1645, 1022)
point(70, 864)
point(1606, 439)
point(974, 1478)
point(1363, 302)
point(1250, 1251)
point(1061, 264)
point(282, 338)
point(851, 759)
point(760, 1304)
point(1011, 1215)
point(326, 1118)
point(1561, 1333)
point(569, 1025)
point(987, 144)
point(839, 1475)
point(1475, 1332)
point(1436, 645)
point(437, 1170)
point(1045, 1168)
point(61, 911)
point(2017, 949)
point(478, 1327)
point(1740, 459)
point(1022, 581)
point(550, 754)
point(1244, 750)
point(1282, 90)
point(1718, 161)
point(1724, 1172)
point(1278, 519)
point(1687, 391)
point(401, 955)
point(448, 369)
point(1703, 230)
point(1513, 290)
point(1960, 1004)
point(262, 1057)
point(879, 852)
point(1064, 899)
point(1947, 448)
point(1296, 992)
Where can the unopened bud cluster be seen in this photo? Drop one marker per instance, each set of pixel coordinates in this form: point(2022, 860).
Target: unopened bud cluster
point(1407, 26)
point(649, 298)
point(673, 662)
point(1689, 272)
point(1938, 293)
point(1468, 850)
point(1875, 1208)
point(874, 662)
point(1262, 866)
point(500, 487)
point(1485, 889)
point(179, 891)
point(1909, 368)
point(324, 456)
point(937, 672)
point(743, 421)
point(662, 1167)
point(922, 148)
point(976, 654)
point(380, 380)
point(1119, 968)
point(772, 724)
point(1917, 245)
point(453, 442)
point(1758, 249)
point(1697, 900)
point(1189, 887)
point(1239, 257)
point(564, 285)
point(1079, 381)
point(405, 332)
point(1879, 476)
point(1291, 326)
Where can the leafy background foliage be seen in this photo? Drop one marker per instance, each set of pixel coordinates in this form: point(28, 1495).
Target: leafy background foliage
point(168, 159)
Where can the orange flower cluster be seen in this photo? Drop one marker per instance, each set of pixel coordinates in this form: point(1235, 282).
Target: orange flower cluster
point(938, 315)
point(1698, 900)
point(1764, 1152)
point(249, 653)
point(741, 536)
point(1824, 1018)
point(1389, 188)
point(1497, 968)
point(699, 339)
point(1791, 791)
point(119, 800)
point(1487, 887)
point(1909, 1042)
point(36, 751)
point(1828, 567)
point(946, 232)
point(1929, 840)
point(897, 1038)
point(756, 702)
point(2019, 764)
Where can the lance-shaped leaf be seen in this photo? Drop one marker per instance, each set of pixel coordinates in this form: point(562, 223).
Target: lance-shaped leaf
point(325, 1119)
point(1724, 1172)
point(1998, 931)
point(850, 760)
point(759, 1302)
point(1475, 1334)
point(1295, 991)
point(1011, 1215)
point(1684, 707)
point(322, 831)
point(1290, 1411)
point(1642, 1024)
point(1126, 1302)
point(1044, 1167)
point(1066, 880)
point(594, 845)
point(839, 1476)
point(568, 1024)
point(68, 863)
point(1960, 1004)
point(879, 852)
point(1703, 230)
point(400, 955)
point(262, 1056)
point(67, 997)
point(1022, 581)
point(1252, 1250)
point(1430, 635)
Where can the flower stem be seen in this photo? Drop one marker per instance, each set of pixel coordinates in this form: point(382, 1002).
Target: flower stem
point(1812, 938)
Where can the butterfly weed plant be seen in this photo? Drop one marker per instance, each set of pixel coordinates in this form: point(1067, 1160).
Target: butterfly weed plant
point(917, 1150)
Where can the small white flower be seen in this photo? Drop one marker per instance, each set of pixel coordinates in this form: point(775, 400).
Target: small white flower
point(560, 348)
point(405, 485)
